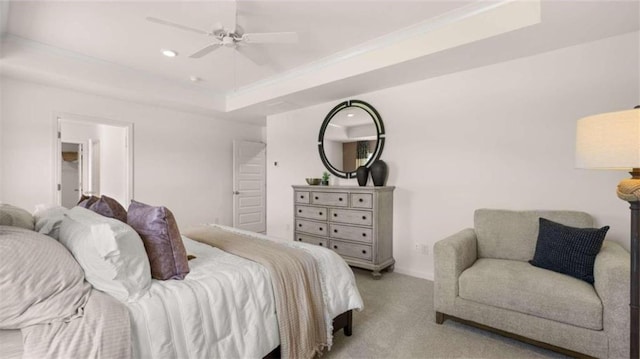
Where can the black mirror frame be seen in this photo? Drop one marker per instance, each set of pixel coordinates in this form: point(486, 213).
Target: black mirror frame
point(379, 128)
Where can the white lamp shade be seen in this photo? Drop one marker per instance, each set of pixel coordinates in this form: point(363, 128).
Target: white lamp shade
point(609, 141)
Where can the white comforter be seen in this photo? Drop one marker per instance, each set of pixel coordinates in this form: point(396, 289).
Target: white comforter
point(225, 307)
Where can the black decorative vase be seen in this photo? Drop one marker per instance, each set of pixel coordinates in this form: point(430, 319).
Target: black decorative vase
point(379, 173)
point(362, 174)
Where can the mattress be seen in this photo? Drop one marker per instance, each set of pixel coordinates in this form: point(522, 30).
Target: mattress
point(225, 306)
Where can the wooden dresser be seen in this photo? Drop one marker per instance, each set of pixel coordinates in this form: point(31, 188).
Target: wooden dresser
point(356, 222)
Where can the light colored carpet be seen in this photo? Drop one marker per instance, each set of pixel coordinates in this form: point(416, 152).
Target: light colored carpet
point(398, 321)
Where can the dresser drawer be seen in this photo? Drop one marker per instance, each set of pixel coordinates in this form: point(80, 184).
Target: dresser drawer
point(330, 198)
point(302, 197)
point(361, 200)
point(322, 242)
point(311, 227)
point(360, 251)
point(318, 213)
point(350, 233)
point(362, 218)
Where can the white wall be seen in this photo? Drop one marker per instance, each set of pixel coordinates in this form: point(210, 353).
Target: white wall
point(500, 136)
point(181, 160)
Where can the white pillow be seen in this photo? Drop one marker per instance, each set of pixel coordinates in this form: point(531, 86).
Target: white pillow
point(110, 252)
point(48, 219)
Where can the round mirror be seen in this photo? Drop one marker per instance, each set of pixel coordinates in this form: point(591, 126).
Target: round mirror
point(352, 135)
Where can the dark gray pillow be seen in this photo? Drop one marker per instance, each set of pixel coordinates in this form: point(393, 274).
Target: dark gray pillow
point(568, 250)
point(86, 201)
point(159, 232)
point(16, 217)
point(110, 208)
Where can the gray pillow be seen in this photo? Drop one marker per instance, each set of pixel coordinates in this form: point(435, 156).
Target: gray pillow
point(16, 217)
point(40, 281)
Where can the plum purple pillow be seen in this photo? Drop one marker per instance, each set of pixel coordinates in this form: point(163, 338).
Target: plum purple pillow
point(110, 208)
point(159, 232)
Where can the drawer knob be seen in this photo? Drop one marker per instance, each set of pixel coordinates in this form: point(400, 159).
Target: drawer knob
point(364, 252)
point(320, 213)
point(299, 211)
point(340, 199)
point(320, 244)
point(316, 197)
point(361, 200)
point(335, 247)
point(335, 215)
point(300, 239)
point(364, 234)
point(364, 217)
point(302, 197)
point(320, 228)
point(335, 231)
point(299, 224)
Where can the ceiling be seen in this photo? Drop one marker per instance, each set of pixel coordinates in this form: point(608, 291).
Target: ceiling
point(345, 47)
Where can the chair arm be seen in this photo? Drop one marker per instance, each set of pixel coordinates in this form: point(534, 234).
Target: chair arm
point(452, 256)
point(612, 283)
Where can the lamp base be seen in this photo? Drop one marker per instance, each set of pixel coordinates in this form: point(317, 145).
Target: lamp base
point(629, 190)
point(635, 279)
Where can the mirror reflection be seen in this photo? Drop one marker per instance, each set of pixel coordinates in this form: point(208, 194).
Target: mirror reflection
point(350, 139)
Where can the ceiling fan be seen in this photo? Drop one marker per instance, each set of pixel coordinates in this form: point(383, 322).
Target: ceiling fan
point(234, 37)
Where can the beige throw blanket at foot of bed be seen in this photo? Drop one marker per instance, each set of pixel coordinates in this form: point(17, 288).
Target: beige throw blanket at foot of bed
point(296, 286)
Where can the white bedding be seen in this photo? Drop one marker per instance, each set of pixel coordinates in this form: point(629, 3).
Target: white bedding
point(225, 307)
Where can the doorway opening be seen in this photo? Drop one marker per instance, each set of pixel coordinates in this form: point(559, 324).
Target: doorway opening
point(94, 157)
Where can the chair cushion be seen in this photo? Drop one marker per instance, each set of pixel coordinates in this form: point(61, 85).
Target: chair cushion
point(521, 287)
point(568, 250)
point(505, 234)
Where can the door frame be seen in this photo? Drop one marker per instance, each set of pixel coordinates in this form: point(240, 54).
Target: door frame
point(58, 117)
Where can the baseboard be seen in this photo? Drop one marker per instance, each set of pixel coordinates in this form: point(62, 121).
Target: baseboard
point(414, 273)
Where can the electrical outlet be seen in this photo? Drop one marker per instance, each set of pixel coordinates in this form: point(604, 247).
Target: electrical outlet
point(288, 227)
point(424, 249)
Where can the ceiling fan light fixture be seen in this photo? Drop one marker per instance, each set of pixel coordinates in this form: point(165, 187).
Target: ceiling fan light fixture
point(350, 114)
point(169, 53)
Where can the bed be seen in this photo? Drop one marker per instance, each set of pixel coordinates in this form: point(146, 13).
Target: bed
point(224, 307)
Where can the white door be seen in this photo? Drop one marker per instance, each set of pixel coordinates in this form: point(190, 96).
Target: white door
point(71, 161)
point(249, 186)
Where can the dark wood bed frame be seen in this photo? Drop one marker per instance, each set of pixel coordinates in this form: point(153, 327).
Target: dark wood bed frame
point(441, 317)
point(342, 321)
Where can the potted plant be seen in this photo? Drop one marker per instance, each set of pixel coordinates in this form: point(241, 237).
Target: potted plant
point(325, 178)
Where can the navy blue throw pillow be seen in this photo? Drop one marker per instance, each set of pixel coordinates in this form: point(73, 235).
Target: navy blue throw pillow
point(568, 250)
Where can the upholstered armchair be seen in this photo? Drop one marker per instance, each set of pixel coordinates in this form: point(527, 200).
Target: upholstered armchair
point(483, 278)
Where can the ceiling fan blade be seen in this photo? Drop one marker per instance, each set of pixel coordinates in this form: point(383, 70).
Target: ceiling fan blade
point(178, 26)
point(270, 38)
point(205, 50)
point(258, 59)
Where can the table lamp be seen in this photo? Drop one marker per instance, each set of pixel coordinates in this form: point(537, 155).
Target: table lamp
point(612, 141)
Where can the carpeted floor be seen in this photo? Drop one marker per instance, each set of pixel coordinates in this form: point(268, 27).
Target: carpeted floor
point(398, 321)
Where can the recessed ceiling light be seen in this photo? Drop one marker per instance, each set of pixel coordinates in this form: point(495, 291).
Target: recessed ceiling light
point(194, 78)
point(169, 53)
point(350, 114)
